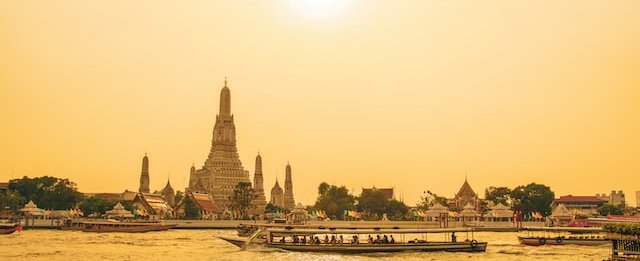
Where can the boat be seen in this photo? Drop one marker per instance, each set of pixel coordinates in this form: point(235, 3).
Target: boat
point(584, 236)
point(118, 226)
point(360, 240)
point(9, 228)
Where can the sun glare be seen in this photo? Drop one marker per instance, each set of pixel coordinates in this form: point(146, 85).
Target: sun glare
point(318, 9)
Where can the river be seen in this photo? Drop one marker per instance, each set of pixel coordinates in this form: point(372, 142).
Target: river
point(203, 245)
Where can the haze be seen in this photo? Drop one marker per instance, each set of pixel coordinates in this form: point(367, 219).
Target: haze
point(409, 94)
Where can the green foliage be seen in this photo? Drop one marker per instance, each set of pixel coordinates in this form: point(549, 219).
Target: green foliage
point(96, 206)
point(396, 210)
point(532, 198)
point(179, 196)
point(334, 200)
point(498, 195)
point(429, 199)
point(47, 192)
point(241, 199)
point(625, 229)
point(375, 203)
point(271, 208)
point(191, 211)
point(608, 209)
point(11, 201)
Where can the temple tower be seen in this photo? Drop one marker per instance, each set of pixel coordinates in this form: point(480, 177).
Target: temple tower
point(169, 194)
point(144, 176)
point(277, 195)
point(289, 202)
point(260, 202)
point(222, 170)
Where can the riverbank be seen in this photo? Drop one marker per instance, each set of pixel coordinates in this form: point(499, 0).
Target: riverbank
point(232, 224)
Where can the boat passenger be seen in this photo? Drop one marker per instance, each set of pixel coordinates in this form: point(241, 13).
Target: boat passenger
point(370, 241)
point(326, 239)
point(385, 239)
point(341, 240)
point(355, 240)
point(317, 241)
point(333, 239)
point(303, 240)
point(282, 240)
point(453, 237)
point(378, 240)
point(295, 239)
point(392, 241)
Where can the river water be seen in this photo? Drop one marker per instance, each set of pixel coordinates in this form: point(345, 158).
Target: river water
point(203, 245)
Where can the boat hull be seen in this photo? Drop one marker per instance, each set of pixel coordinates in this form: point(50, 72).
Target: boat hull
point(130, 229)
point(371, 248)
point(554, 241)
point(8, 230)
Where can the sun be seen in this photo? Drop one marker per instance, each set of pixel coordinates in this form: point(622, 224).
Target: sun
point(319, 9)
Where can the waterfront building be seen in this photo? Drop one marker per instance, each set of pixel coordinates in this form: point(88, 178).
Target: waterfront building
point(144, 176)
point(616, 198)
point(277, 195)
point(260, 202)
point(153, 205)
point(289, 201)
point(387, 192)
point(580, 204)
point(207, 208)
point(222, 170)
point(169, 194)
point(464, 196)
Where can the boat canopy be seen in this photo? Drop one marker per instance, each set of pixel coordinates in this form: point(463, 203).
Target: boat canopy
point(565, 229)
point(314, 231)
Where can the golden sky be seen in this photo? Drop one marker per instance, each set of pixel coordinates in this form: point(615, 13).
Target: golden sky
point(409, 94)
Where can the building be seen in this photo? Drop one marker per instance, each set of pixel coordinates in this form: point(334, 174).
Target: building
point(207, 208)
point(4, 186)
point(222, 170)
point(637, 199)
point(616, 198)
point(289, 201)
point(144, 175)
point(169, 194)
point(387, 192)
point(277, 195)
point(153, 205)
point(260, 202)
point(464, 196)
point(580, 204)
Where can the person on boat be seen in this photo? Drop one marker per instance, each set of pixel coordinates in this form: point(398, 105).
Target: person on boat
point(385, 239)
point(392, 241)
point(296, 240)
point(282, 240)
point(303, 240)
point(378, 240)
point(341, 240)
point(326, 239)
point(370, 241)
point(355, 240)
point(453, 237)
point(333, 239)
point(317, 241)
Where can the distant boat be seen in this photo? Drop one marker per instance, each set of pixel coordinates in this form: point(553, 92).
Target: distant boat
point(116, 226)
point(584, 236)
point(288, 239)
point(8, 228)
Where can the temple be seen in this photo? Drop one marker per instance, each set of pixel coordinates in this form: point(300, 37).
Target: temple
point(289, 201)
point(465, 196)
point(222, 170)
point(169, 194)
point(277, 195)
point(144, 176)
point(260, 201)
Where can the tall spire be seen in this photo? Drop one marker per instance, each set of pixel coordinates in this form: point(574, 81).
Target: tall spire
point(289, 201)
point(144, 175)
point(225, 100)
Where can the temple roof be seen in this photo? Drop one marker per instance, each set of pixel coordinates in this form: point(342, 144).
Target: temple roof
point(579, 199)
point(204, 202)
point(387, 192)
point(465, 190)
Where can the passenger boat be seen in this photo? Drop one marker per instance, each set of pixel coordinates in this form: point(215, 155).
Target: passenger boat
point(117, 226)
point(585, 236)
point(359, 240)
point(9, 228)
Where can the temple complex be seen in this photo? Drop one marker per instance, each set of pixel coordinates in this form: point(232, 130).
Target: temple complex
point(222, 170)
point(465, 196)
point(260, 202)
point(277, 195)
point(289, 201)
point(144, 176)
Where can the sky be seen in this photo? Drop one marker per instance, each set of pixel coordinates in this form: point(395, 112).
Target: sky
point(415, 95)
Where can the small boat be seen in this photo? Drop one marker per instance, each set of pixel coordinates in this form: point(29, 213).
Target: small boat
point(9, 228)
point(294, 239)
point(117, 226)
point(584, 236)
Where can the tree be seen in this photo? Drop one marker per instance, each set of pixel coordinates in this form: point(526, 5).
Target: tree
point(191, 210)
point(497, 195)
point(334, 200)
point(179, 196)
point(373, 202)
point(608, 209)
point(532, 198)
point(271, 208)
point(429, 199)
point(241, 199)
point(48, 192)
point(11, 201)
point(396, 210)
point(97, 206)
